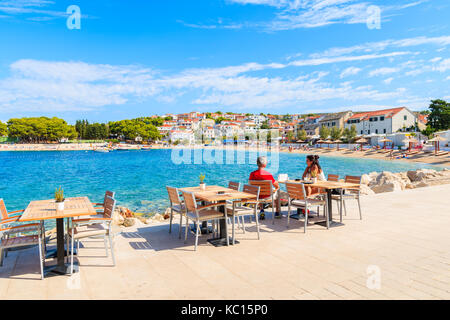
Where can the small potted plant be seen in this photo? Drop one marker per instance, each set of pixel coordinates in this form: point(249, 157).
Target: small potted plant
point(202, 183)
point(59, 199)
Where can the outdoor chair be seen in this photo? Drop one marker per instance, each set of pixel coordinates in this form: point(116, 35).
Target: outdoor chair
point(350, 194)
point(333, 177)
point(176, 205)
point(236, 186)
point(11, 237)
point(266, 193)
point(107, 194)
point(238, 209)
point(298, 199)
point(199, 214)
point(93, 227)
point(10, 222)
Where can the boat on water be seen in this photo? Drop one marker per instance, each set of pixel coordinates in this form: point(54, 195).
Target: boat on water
point(102, 150)
point(146, 148)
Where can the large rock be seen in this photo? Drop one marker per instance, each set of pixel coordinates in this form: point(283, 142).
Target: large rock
point(364, 189)
point(421, 175)
point(129, 222)
point(365, 179)
point(393, 186)
point(117, 218)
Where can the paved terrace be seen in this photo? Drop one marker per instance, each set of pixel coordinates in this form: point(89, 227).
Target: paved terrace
point(405, 234)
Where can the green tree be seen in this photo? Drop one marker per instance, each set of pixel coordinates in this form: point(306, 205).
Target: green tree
point(324, 132)
point(220, 119)
point(335, 133)
point(3, 129)
point(302, 135)
point(439, 117)
point(290, 136)
point(265, 125)
point(351, 133)
point(140, 127)
point(40, 129)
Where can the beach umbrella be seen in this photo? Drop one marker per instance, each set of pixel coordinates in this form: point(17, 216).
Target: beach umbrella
point(320, 141)
point(337, 142)
point(436, 141)
point(361, 141)
point(384, 142)
point(328, 142)
point(411, 142)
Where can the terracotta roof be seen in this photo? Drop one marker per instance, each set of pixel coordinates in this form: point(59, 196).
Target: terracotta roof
point(423, 118)
point(388, 113)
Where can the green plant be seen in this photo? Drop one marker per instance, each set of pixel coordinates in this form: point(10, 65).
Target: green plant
point(202, 178)
point(59, 195)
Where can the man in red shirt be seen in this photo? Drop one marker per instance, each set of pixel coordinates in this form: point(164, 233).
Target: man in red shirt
point(262, 174)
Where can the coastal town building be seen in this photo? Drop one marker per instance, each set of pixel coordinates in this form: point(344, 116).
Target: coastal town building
point(382, 121)
point(335, 119)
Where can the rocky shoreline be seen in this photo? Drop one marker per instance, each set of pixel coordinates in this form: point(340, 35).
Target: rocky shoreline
point(371, 183)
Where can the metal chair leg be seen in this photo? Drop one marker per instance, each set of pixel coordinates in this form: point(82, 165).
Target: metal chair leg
point(232, 226)
point(171, 219)
point(345, 208)
point(306, 218)
point(257, 222)
point(71, 251)
point(289, 213)
point(226, 232)
point(186, 230)
point(106, 246)
point(111, 244)
point(196, 235)
point(40, 258)
point(359, 206)
point(181, 225)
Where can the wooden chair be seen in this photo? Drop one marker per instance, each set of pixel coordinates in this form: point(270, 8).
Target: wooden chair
point(298, 199)
point(200, 214)
point(176, 205)
point(238, 209)
point(9, 221)
point(266, 193)
point(350, 194)
point(333, 177)
point(94, 227)
point(10, 238)
point(107, 194)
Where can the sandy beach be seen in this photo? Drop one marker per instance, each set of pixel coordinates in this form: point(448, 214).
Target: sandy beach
point(429, 158)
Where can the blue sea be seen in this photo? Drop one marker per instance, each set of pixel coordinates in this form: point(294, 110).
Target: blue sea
point(139, 178)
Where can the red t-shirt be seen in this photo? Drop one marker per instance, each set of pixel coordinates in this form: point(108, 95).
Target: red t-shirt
point(261, 175)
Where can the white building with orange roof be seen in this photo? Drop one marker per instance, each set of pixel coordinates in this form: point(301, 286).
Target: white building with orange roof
point(382, 121)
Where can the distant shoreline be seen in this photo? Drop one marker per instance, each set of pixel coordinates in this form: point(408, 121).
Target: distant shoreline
point(429, 158)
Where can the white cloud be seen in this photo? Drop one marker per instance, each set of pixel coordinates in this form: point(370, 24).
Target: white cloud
point(382, 71)
point(388, 80)
point(294, 14)
point(443, 66)
point(350, 71)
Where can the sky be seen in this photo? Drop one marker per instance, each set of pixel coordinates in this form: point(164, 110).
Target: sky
point(135, 58)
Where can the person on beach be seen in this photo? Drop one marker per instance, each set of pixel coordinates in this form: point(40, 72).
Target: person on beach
point(262, 174)
point(313, 169)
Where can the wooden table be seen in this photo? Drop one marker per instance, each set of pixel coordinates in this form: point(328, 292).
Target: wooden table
point(46, 210)
point(329, 186)
point(211, 195)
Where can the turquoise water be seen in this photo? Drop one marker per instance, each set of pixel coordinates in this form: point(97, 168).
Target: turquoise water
point(139, 177)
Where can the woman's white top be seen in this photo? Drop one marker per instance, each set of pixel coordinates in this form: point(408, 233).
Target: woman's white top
point(320, 177)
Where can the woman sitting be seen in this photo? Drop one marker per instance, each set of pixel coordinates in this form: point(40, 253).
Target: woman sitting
point(313, 170)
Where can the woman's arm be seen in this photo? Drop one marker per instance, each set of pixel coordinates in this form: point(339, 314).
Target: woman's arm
point(304, 173)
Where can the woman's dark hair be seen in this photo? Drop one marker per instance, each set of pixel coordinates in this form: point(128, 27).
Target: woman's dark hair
point(314, 159)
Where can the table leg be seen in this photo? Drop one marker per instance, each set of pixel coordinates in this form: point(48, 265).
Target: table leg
point(61, 268)
point(222, 240)
point(332, 223)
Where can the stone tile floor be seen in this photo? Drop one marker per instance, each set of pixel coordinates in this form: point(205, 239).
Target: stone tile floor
point(404, 237)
